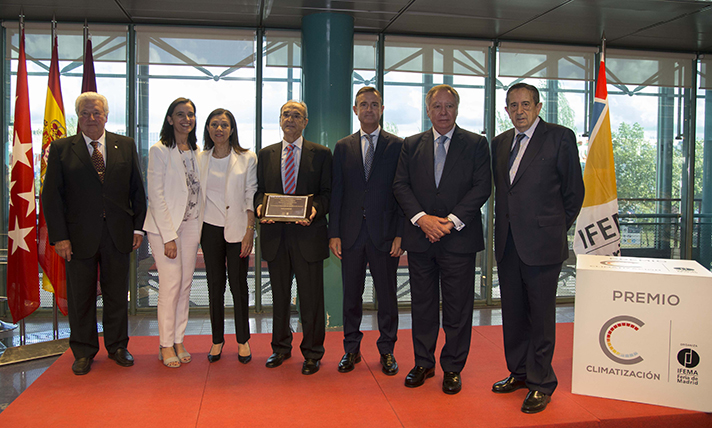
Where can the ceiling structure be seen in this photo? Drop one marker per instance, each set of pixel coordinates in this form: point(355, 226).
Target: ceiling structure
point(663, 25)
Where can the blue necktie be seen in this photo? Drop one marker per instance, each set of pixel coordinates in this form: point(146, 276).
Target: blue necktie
point(515, 149)
point(440, 155)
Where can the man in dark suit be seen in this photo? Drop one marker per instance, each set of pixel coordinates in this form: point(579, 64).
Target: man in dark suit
point(95, 204)
point(443, 179)
point(300, 167)
point(539, 194)
point(365, 227)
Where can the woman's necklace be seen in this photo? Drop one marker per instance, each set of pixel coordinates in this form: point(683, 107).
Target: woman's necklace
point(217, 155)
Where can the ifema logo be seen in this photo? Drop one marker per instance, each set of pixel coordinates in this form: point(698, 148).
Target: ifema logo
point(608, 330)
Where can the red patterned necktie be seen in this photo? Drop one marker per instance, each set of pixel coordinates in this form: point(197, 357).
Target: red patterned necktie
point(290, 178)
point(98, 160)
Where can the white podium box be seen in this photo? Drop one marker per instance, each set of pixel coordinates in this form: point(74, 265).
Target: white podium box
point(643, 331)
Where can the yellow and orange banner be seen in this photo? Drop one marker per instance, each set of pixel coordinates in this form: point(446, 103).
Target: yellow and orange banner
point(54, 278)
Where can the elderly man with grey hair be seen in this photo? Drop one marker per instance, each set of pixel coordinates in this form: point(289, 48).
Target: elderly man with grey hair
point(295, 166)
point(94, 203)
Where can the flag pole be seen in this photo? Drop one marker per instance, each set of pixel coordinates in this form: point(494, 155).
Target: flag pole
point(55, 315)
point(23, 332)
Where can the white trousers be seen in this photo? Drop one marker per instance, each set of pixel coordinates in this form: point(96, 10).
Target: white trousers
point(175, 277)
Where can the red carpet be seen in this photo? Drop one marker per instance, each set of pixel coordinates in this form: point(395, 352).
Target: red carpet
point(230, 394)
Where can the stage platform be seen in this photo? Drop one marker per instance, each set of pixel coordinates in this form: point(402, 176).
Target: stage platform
point(230, 394)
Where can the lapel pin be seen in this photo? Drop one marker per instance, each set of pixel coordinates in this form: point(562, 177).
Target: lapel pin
point(116, 147)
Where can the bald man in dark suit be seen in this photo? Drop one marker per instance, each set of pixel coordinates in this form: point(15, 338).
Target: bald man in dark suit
point(539, 192)
point(296, 249)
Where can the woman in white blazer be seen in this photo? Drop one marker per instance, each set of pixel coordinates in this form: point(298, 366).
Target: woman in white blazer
point(173, 224)
point(228, 174)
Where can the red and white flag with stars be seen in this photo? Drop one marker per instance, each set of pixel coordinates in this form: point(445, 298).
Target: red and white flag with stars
point(23, 287)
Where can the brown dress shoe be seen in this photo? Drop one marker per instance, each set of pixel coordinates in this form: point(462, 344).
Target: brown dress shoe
point(82, 366)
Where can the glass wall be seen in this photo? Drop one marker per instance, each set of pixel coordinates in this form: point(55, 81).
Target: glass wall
point(648, 96)
point(110, 64)
point(412, 66)
point(563, 76)
point(652, 108)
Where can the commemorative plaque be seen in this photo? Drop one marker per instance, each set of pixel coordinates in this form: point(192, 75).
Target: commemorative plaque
point(286, 208)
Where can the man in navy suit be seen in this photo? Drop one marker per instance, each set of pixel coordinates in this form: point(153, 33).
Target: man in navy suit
point(365, 227)
point(442, 181)
point(95, 204)
point(538, 197)
point(296, 249)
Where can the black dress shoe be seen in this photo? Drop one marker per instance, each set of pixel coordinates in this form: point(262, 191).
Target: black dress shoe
point(452, 383)
point(535, 402)
point(310, 366)
point(123, 357)
point(389, 365)
point(417, 376)
point(212, 358)
point(348, 361)
point(82, 366)
point(509, 384)
point(276, 359)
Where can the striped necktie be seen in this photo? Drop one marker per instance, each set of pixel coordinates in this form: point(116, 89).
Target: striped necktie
point(515, 149)
point(290, 177)
point(98, 160)
point(369, 156)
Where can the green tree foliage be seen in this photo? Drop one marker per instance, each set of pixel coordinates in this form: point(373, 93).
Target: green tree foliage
point(635, 160)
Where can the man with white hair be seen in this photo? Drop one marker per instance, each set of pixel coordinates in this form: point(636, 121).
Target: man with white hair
point(95, 204)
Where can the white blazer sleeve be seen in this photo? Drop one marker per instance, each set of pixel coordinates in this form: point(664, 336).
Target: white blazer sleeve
point(158, 163)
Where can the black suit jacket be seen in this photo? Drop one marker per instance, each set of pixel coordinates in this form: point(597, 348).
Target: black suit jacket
point(352, 196)
point(544, 199)
point(74, 197)
point(314, 177)
point(465, 186)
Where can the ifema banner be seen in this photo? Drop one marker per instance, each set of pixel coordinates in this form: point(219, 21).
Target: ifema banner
point(597, 228)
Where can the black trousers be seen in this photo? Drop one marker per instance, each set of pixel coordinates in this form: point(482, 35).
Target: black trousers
point(113, 268)
point(432, 273)
point(528, 318)
point(289, 262)
point(217, 254)
point(383, 269)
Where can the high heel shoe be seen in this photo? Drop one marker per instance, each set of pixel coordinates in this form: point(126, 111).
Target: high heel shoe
point(246, 359)
point(213, 358)
point(184, 356)
point(169, 362)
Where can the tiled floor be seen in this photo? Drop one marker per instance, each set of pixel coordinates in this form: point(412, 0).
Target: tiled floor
point(15, 378)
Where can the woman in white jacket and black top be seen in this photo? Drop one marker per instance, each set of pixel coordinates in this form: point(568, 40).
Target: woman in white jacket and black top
point(228, 174)
point(173, 224)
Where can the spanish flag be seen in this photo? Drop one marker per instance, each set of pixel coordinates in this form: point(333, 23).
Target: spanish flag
point(54, 279)
point(597, 228)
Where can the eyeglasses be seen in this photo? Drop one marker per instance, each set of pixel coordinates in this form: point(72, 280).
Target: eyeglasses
point(295, 116)
point(216, 125)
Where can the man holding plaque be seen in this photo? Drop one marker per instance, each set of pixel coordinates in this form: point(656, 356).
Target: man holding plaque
point(365, 226)
point(442, 180)
point(297, 248)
